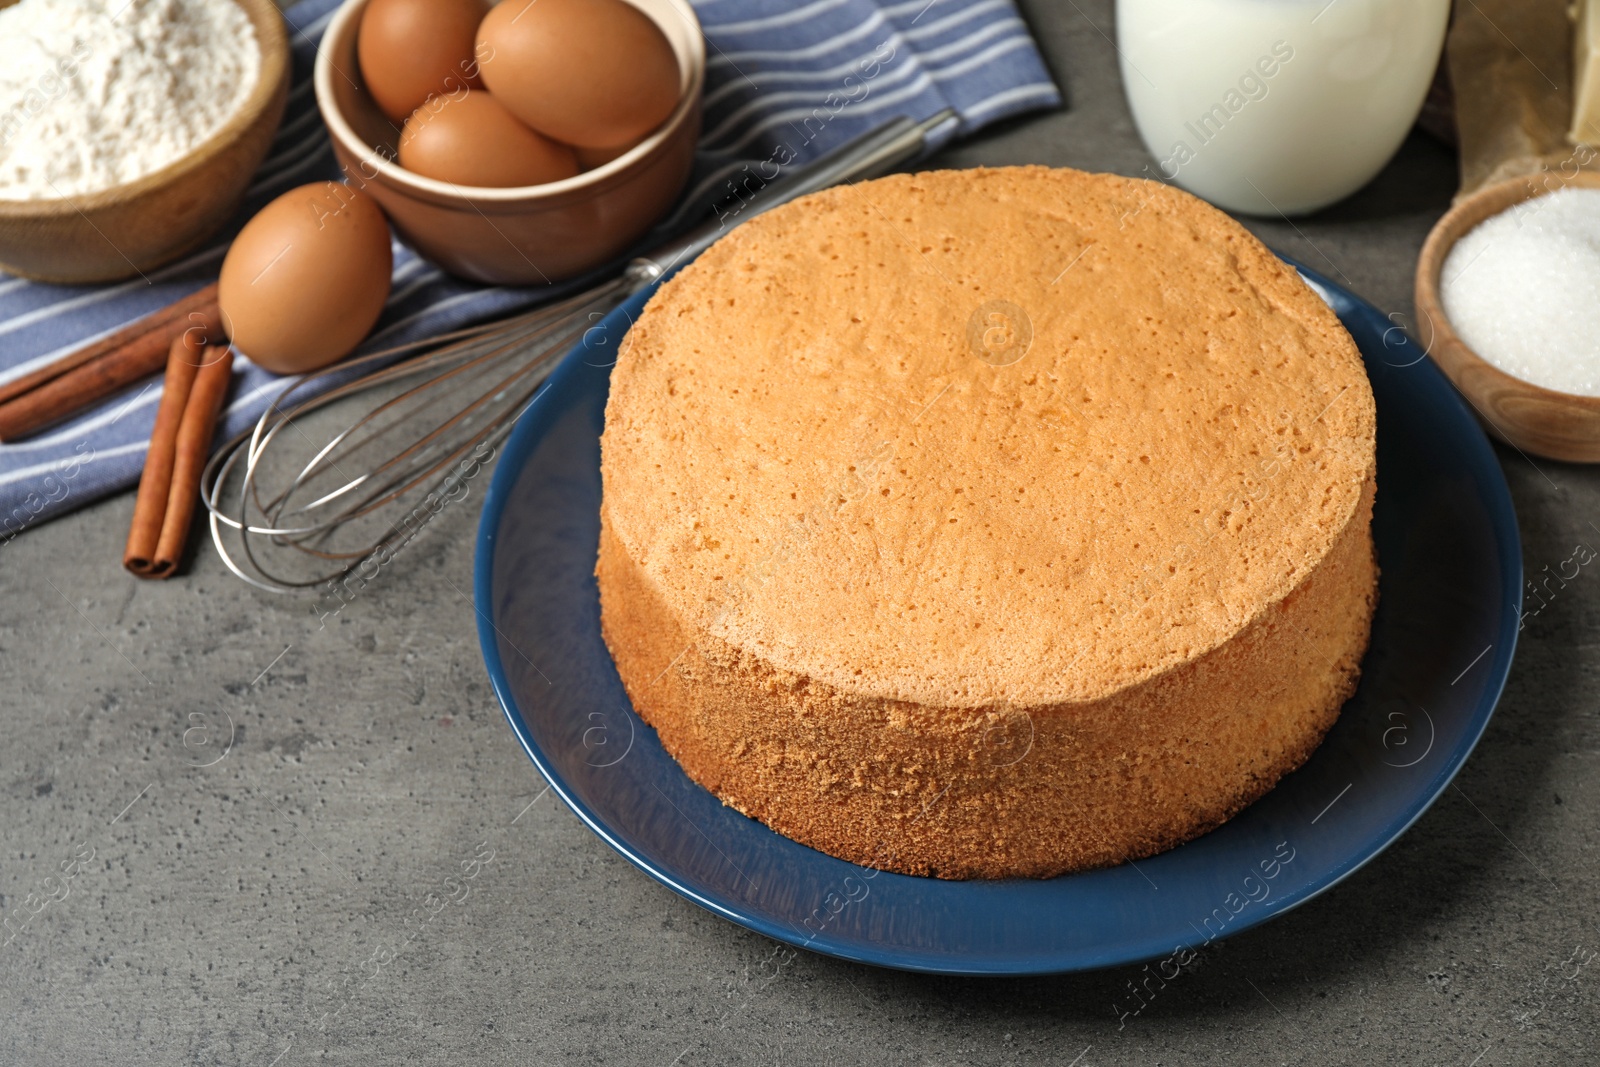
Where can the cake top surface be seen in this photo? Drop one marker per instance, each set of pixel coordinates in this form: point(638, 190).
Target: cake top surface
point(962, 437)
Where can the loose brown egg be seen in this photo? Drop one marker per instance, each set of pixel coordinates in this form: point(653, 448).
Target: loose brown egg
point(306, 278)
point(410, 49)
point(473, 140)
point(591, 73)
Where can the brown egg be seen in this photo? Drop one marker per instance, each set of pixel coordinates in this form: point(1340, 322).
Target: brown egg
point(306, 278)
point(410, 49)
point(591, 73)
point(472, 140)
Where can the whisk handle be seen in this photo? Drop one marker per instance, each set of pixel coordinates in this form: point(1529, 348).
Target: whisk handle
point(875, 152)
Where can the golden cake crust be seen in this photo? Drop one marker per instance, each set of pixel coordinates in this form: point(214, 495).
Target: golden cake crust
point(923, 596)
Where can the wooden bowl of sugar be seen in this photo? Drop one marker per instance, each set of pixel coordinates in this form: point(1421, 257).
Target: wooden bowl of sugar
point(1522, 288)
point(128, 229)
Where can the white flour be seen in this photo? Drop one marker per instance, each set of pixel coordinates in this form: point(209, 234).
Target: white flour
point(95, 93)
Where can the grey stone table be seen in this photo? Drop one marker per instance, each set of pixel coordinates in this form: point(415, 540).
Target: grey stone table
point(236, 910)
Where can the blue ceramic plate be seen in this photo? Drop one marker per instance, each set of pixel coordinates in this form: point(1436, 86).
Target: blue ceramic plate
point(1441, 647)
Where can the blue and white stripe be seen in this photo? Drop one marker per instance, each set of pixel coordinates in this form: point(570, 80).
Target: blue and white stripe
point(781, 78)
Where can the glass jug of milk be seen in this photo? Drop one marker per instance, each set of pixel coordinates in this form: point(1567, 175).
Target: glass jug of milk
point(1276, 106)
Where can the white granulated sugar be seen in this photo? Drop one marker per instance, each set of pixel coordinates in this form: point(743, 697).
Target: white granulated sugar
point(95, 93)
point(1522, 289)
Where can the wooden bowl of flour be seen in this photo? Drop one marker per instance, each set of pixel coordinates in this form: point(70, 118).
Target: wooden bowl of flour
point(1532, 418)
point(129, 229)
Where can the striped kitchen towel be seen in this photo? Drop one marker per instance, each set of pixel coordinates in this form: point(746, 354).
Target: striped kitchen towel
point(783, 82)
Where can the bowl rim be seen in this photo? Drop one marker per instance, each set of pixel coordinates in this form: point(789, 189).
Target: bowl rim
point(271, 79)
point(1435, 330)
point(345, 21)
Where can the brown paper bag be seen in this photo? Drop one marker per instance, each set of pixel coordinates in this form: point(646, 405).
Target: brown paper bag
point(1510, 67)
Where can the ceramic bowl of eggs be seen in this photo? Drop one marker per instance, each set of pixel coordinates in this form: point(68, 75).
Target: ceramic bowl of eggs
point(517, 143)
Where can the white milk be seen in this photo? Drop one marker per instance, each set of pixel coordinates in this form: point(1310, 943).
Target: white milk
point(1276, 106)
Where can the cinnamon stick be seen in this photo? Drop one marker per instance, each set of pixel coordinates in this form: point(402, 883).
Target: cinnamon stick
point(65, 387)
point(195, 430)
point(186, 353)
point(198, 300)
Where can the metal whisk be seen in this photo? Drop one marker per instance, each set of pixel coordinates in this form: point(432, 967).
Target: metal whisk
point(338, 492)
